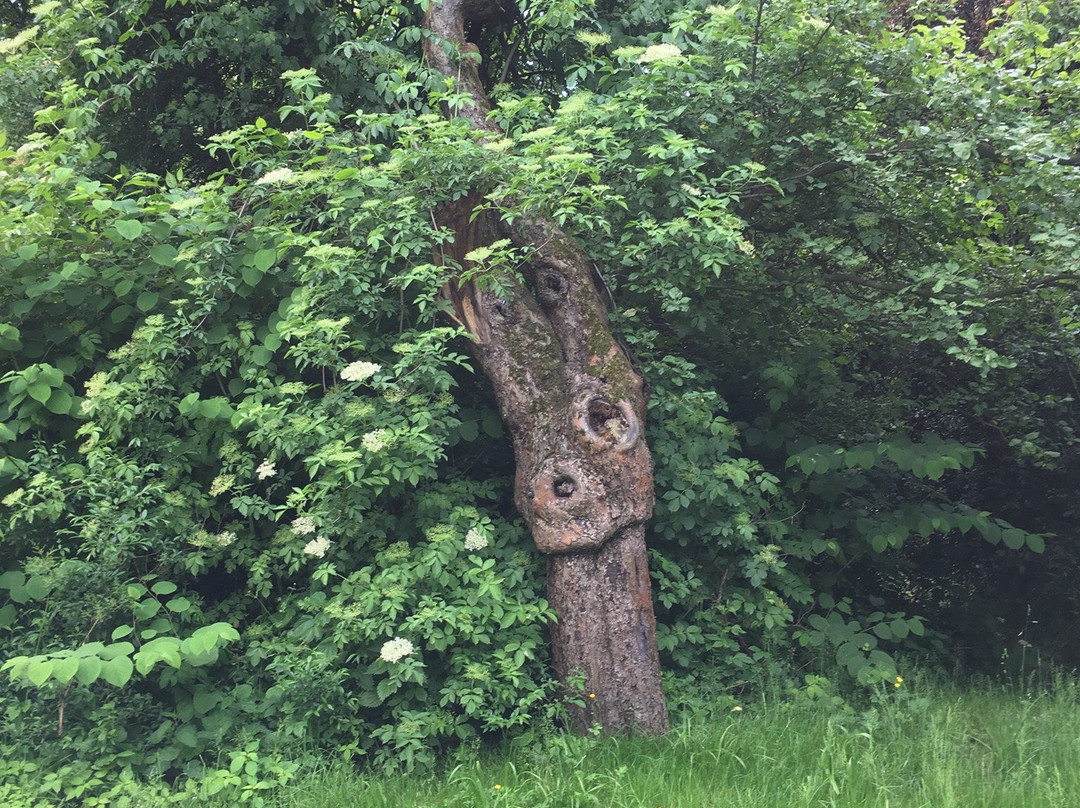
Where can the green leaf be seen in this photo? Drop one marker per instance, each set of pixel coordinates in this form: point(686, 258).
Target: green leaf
point(163, 254)
point(8, 614)
point(883, 630)
point(1013, 538)
point(39, 670)
point(9, 338)
point(188, 404)
point(37, 587)
point(117, 672)
point(163, 649)
point(163, 588)
point(12, 579)
point(187, 736)
point(39, 391)
point(1035, 543)
point(145, 609)
point(492, 424)
point(130, 229)
point(65, 669)
point(116, 649)
point(935, 467)
point(204, 701)
point(251, 275)
point(178, 605)
point(146, 301)
point(60, 402)
point(264, 259)
point(89, 670)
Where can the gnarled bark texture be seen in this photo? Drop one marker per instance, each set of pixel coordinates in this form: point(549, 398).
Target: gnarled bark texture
point(575, 408)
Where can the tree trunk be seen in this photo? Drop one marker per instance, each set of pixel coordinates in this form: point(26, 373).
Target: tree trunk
point(575, 408)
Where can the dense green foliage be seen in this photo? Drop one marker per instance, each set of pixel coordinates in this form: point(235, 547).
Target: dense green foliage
point(256, 503)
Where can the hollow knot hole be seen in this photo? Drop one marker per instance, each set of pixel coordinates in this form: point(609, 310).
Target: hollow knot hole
point(552, 284)
point(564, 486)
point(607, 420)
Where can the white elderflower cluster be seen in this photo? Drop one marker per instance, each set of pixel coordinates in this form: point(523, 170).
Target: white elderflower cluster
point(225, 538)
point(769, 554)
point(266, 469)
point(317, 547)
point(31, 146)
point(375, 441)
point(358, 371)
point(592, 39)
point(661, 52)
point(221, 484)
point(273, 177)
point(814, 22)
point(302, 526)
point(475, 540)
point(721, 12)
point(395, 649)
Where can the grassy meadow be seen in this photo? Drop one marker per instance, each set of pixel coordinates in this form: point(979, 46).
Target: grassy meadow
point(915, 745)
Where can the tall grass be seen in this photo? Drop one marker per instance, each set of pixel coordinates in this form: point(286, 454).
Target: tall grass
point(921, 745)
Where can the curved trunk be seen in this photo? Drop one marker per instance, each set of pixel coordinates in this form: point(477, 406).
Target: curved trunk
point(575, 408)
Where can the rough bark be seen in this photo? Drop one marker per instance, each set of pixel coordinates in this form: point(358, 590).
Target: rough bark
point(575, 408)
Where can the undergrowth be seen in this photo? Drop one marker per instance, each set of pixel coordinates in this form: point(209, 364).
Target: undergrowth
point(912, 744)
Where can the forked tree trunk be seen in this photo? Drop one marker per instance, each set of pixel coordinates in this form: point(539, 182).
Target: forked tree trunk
point(575, 408)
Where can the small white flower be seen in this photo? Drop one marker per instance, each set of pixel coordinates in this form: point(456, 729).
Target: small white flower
point(277, 175)
point(317, 547)
point(475, 540)
point(358, 371)
point(395, 649)
point(224, 539)
point(302, 526)
point(266, 469)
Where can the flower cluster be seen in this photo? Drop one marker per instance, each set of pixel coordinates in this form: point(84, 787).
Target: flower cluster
point(375, 441)
point(475, 540)
point(265, 469)
point(358, 371)
point(395, 649)
point(211, 541)
point(221, 484)
point(769, 554)
point(275, 176)
point(662, 52)
point(302, 526)
point(317, 547)
point(592, 39)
